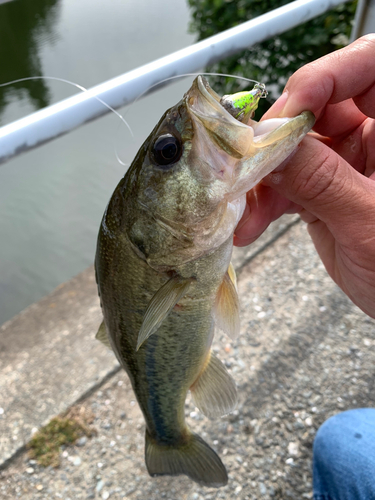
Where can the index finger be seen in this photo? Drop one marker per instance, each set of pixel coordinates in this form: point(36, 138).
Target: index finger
point(343, 74)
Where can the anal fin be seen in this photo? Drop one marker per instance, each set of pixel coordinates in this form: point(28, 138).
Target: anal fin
point(214, 392)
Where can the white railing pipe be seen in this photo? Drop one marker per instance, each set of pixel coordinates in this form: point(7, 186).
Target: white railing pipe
point(64, 116)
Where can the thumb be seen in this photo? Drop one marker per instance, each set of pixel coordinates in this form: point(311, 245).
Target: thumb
point(328, 187)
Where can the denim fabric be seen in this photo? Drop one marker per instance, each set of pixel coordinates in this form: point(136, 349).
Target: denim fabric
point(344, 457)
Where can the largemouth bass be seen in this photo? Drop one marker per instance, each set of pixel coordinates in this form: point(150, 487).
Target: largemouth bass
point(163, 264)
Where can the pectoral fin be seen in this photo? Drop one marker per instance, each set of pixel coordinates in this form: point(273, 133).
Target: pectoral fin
point(160, 306)
point(103, 336)
point(226, 311)
point(214, 392)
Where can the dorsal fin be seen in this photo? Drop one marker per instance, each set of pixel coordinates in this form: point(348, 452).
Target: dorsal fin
point(226, 311)
point(232, 274)
point(160, 306)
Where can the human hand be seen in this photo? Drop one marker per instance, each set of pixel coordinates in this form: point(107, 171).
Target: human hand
point(330, 179)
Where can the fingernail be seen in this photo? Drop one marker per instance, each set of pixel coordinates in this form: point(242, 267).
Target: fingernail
point(281, 103)
point(278, 106)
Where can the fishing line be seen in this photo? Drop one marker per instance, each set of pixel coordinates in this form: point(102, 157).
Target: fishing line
point(184, 75)
point(83, 89)
point(79, 87)
point(191, 74)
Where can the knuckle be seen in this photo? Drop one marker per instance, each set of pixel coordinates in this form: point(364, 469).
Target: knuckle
point(367, 40)
point(314, 83)
point(304, 74)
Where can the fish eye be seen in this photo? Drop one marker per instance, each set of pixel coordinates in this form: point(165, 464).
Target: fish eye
point(167, 149)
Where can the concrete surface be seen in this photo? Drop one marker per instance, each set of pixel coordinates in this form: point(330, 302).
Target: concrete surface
point(49, 359)
point(305, 352)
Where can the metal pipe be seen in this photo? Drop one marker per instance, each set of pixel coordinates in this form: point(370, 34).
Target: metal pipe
point(57, 119)
point(364, 20)
point(358, 19)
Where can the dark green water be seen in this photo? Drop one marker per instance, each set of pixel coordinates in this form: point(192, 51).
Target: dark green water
point(52, 198)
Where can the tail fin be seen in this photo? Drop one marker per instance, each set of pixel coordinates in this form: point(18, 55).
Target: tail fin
point(195, 459)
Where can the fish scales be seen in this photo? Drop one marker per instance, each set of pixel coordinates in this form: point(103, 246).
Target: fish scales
point(163, 266)
point(170, 361)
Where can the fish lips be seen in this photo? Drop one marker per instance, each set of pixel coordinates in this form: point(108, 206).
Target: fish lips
point(239, 140)
point(228, 133)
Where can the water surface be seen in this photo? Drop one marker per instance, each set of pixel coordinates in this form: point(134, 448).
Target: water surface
point(52, 198)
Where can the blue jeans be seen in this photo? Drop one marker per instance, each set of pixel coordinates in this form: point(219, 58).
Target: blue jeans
point(344, 457)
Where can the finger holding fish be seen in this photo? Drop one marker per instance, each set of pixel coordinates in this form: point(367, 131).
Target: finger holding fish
point(325, 81)
point(338, 89)
point(263, 206)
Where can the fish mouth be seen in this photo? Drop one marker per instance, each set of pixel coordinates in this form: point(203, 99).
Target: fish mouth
point(234, 137)
point(239, 153)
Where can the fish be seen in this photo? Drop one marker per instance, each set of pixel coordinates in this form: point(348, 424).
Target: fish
point(163, 267)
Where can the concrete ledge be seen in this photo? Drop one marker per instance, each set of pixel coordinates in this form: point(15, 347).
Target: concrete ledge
point(304, 353)
point(49, 358)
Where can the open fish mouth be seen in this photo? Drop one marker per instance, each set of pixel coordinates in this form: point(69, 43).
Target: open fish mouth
point(205, 105)
point(240, 151)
